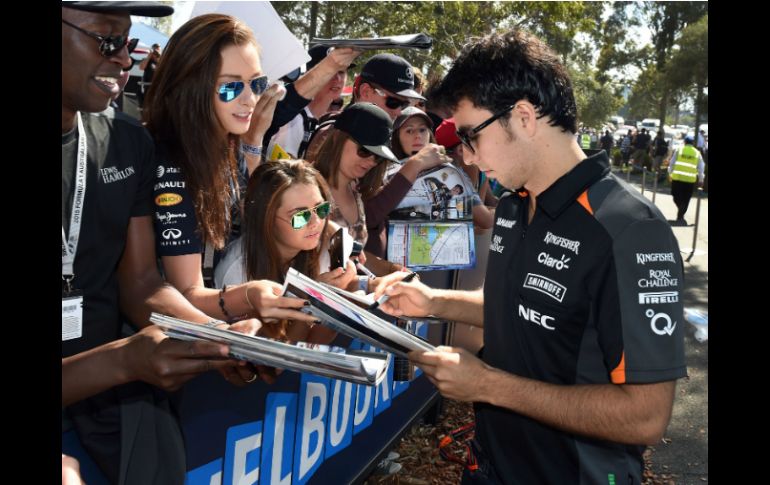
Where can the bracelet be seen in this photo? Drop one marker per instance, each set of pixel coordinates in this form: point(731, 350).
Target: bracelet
point(214, 323)
point(248, 302)
point(222, 302)
point(251, 149)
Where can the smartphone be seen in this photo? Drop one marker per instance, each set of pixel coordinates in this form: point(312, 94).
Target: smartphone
point(336, 252)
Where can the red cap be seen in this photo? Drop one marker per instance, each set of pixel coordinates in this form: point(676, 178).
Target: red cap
point(446, 134)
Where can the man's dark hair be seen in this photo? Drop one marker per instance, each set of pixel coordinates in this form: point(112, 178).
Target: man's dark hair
point(500, 69)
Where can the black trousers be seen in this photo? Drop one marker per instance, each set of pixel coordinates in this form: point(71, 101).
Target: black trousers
point(682, 193)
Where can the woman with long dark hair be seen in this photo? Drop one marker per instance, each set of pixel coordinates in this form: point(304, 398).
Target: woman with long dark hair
point(285, 225)
point(208, 108)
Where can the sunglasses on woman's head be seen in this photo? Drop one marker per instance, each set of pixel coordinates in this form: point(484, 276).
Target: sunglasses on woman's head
point(392, 102)
point(302, 217)
point(229, 91)
point(110, 45)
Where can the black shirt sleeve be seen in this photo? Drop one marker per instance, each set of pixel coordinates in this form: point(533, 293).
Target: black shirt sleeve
point(639, 307)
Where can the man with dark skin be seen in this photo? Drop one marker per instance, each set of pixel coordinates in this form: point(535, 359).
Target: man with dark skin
point(108, 252)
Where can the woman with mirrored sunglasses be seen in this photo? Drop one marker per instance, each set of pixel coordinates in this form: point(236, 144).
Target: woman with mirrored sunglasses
point(285, 225)
point(207, 109)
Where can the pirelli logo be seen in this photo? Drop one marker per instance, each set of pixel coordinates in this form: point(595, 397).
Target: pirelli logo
point(545, 285)
point(658, 297)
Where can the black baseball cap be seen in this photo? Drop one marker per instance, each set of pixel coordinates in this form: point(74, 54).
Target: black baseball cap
point(143, 9)
point(393, 73)
point(370, 126)
point(317, 54)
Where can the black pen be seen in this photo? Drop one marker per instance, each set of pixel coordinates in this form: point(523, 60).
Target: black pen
point(384, 297)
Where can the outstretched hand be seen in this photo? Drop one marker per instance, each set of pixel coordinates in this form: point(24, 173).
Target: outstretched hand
point(265, 296)
point(168, 363)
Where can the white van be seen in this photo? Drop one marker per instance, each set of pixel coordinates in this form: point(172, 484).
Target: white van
point(651, 123)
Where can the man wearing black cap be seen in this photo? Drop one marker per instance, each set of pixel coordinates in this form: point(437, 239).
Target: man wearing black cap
point(293, 137)
point(109, 264)
point(387, 80)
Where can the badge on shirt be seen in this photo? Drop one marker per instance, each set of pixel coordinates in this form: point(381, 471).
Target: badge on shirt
point(72, 316)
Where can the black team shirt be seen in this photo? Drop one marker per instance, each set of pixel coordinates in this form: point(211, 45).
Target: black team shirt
point(589, 292)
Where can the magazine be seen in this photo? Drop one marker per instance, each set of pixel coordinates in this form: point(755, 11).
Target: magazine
point(350, 318)
point(357, 366)
point(443, 193)
point(405, 41)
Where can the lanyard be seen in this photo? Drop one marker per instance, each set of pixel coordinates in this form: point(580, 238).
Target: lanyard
point(69, 246)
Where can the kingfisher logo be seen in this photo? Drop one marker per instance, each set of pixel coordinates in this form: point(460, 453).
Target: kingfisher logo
point(167, 199)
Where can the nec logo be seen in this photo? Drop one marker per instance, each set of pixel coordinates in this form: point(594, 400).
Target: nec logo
point(535, 317)
point(171, 234)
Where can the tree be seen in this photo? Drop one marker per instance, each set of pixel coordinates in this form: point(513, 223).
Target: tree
point(161, 24)
point(688, 68)
point(666, 20)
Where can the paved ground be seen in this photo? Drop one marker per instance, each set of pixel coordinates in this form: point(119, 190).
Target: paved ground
point(682, 457)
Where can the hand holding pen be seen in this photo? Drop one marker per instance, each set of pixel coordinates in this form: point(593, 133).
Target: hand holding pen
point(389, 291)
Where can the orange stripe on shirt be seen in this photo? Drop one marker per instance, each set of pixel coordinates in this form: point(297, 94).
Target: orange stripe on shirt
point(583, 200)
point(618, 374)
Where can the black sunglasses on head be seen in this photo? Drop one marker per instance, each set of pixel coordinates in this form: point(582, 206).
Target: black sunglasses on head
point(108, 46)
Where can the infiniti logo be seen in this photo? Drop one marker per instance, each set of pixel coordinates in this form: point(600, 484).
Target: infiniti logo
point(171, 233)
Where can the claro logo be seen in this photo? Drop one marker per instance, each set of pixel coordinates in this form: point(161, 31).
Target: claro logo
point(167, 199)
point(535, 317)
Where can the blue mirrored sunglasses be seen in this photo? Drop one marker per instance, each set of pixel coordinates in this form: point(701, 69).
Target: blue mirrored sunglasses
point(230, 91)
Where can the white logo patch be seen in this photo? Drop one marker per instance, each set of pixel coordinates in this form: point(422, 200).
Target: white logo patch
point(112, 174)
point(668, 329)
point(495, 244)
point(535, 317)
point(545, 285)
point(563, 242)
point(659, 278)
point(170, 217)
point(548, 260)
point(658, 297)
point(644, 258)
point(171, 233)
point(506, 223)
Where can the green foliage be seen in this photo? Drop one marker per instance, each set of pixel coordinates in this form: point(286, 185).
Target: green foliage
point(573, 29)
point(161, 24)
